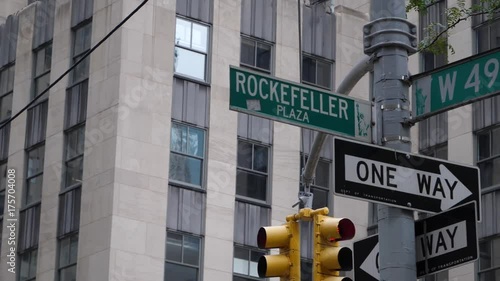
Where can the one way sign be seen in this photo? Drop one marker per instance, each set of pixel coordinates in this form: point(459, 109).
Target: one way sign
point(401, 179)
point(442, 241)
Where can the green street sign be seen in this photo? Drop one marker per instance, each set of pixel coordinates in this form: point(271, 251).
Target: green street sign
point(293, 103)
point(456, 84)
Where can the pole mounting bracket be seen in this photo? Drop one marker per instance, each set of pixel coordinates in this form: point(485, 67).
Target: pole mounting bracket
point(401, 33)
point(394, 106)
point(396, 138)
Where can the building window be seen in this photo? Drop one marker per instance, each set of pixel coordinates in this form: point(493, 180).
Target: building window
point(81, 44)
point(28, 242)
point(43, 58)
point(37, 124)
point(489, 259)
point(68, 253)
point(256, 54)
point(318, 72)
point(321, 186)
point(306, 269)
point(439, 151)
point(187, 150)
point(69, 212)
point(27, 270)
point(245, 263)
point(182, 257)
point(489, 157)
point(487, 29)
point(34, 176)
point(6, 89)
point(252, 170)
point(440, 276)
point(372, 219)
point(191, 48)
point(432, 21)
point(433, 136)
point(76, 111)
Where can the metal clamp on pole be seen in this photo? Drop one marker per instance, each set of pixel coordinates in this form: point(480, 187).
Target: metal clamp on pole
point(396, 138)
point(394, 106)
point(401, 34)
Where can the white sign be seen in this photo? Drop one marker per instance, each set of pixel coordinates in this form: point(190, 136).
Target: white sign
point(444, 186)
point(442, 241)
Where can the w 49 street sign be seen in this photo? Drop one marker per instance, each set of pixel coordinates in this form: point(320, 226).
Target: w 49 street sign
point(410, 181)
point(456, 84)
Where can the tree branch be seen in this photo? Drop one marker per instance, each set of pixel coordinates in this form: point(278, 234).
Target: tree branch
point(452, 25)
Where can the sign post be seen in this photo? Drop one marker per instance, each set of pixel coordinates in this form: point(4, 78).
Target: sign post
point(285, 101)
point(402, 179)
point(442, 241)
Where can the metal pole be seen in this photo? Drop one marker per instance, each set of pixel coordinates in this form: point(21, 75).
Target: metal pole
point(392, 38)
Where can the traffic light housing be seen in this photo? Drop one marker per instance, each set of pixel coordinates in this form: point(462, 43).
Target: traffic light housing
point(328, 257)
point(286, 265)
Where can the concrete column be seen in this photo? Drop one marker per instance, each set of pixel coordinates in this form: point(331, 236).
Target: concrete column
point(222, 144)
point(21, 96)
point(286, 146)
point(124, 193)
point(350, 22)
point(54, 145)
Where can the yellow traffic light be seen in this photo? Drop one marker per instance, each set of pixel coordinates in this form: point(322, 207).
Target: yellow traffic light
point(329, 259)
point(287, 264)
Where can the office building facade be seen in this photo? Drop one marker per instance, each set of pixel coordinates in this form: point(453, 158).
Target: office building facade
point(132, 167)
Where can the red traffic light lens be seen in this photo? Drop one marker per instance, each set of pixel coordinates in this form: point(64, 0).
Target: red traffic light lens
point(346, 229)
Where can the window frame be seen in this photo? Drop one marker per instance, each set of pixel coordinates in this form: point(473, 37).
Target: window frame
point(268, 192)
point(40, 145)
point(309, 262)
point(76, 56)
point(480, 24)
point(431, 9)
point(487, 130)
point(203, 159)
point(36, 75)
point(33, 206)
point(8, 69)
point(255, 42)
point(493, 268)
point(331, 63)
point(200, 252)
point(21, 255)
point(58, 258)
point(249, 250)
point(206, 79)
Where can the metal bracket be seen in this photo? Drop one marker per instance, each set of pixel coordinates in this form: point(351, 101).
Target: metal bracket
point(305, 199)
point(402, 33)
point(396, 138)
point(394, 106)
point(406, 79)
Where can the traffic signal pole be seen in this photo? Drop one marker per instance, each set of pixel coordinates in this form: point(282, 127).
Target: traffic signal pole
point(392, 38)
